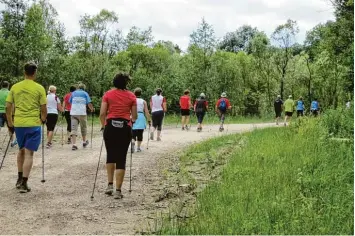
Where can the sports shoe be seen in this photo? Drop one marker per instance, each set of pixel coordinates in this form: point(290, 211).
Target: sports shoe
point(139, 149)
point(24, 188)
point(152, 136)
point(186, 127)
point(132, 147)
point(117, 194)
point(221, 129)
point(14, 143)
point(86, 143)
point(18, 183)
point(74, 148)
point(109, 189)
point(182, 128)
point(69, 141)
point(48, 145)
point(158, 139)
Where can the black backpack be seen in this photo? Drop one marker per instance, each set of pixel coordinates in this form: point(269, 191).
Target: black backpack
point(201, 106)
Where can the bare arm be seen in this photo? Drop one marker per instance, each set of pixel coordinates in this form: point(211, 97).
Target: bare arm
point(43, 112)
point(60, 107)
point(64, 104)
point(164, 106)
point(9, 112)
point(147, 115)
point(134, 113)
point(103, 113)
point(91, 107)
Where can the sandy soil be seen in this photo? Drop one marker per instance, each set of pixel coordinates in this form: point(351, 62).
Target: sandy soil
point(62, 204)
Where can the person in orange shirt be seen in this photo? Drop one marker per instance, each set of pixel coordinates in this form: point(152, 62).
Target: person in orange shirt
point(185, 105)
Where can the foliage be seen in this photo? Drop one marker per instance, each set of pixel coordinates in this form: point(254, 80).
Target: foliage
point(247, 64)
point(282, 181)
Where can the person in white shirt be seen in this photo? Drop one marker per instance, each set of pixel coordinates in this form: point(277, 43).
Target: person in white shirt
point(53, 106)
point(158, 107)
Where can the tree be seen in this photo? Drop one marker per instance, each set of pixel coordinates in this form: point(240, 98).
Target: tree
point(284, 36)
point(137, 36)
point(240, 40)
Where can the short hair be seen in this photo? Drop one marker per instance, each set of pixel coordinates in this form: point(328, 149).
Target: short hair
point(5, 84)
point(52, 88)
point(72, 88)
point(138, 92)
point(159, 91)
point(186, 92)
point(30, 68)
point(121, 80)
point(301, 98)
point(81, 86)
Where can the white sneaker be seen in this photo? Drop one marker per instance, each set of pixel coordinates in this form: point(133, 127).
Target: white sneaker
point(152, 136)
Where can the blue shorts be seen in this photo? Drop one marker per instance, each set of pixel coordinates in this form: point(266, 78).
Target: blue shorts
point(28, 137)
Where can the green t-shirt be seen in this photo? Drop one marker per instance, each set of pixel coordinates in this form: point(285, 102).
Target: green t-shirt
point(289, 105)
point(3, 95)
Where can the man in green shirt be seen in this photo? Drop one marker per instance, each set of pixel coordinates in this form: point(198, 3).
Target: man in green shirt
point(3, 95)
point(289, 108)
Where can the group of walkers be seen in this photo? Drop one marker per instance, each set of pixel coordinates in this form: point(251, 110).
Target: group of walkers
point(289, 106)
point(200, 108)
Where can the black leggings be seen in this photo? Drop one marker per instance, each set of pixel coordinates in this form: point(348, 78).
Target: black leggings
point(137, 134)
point(157, 118)
point(117, 137)
point(68, 119)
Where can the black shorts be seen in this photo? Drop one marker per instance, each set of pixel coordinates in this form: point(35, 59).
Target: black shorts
point(117, 137)
point(200, 116)
point(314, 112)
point(277, 114)
point(299, 113)
point(288, 113)
point(157, 118)
point(185, 112)
point(3, 119)
point(51, 121)
point(137, 134)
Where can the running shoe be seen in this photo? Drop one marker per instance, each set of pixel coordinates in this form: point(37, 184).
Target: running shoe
point(49, 145)
point(109, 189)
point(117, 194)
point(69, 141)
point(74, 148)
point(24, 188)
point(152, 136)
point(158, 139)
point(18, 183)
point(86, 143)
point(139, 149)
point(183, 128)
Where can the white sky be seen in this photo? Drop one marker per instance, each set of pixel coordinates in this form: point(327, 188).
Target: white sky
point(174, 20)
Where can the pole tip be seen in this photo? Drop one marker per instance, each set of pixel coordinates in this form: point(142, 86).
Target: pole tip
point(43, 180)
point(92, 198)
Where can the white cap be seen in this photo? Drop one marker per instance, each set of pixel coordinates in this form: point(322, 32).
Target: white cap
point(202, 95)
point(223, 95)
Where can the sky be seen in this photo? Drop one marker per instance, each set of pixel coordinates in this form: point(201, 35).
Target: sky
point(175, 20)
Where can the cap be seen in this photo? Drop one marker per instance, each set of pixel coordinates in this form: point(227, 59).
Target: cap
point(223, 95)
point(290, 96)
point(202, 95)
point(279, 96)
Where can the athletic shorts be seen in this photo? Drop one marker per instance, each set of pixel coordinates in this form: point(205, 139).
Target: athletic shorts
point(51, 121)
point(315, 112)
point(157, 118)
point(75, 121)
point(117, 137)
point(299, 113)
point(28, 137)
point(200, 116)
point(288, 113)
point(3, 119)
point(277, 114)
point(185, 112)
point(137, 134)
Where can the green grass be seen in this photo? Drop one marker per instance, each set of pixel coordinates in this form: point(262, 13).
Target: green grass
point(290, 180)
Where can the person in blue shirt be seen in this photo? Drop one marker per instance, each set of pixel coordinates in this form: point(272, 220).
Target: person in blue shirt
point(300, 107)
point(315, 107)
point(79, 101)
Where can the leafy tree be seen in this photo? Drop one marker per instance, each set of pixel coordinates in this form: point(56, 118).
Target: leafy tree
point(240, 40)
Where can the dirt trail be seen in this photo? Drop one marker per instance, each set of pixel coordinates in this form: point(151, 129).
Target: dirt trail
point(62, 204)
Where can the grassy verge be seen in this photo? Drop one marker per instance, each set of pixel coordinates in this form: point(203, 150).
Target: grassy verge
point(281, 181)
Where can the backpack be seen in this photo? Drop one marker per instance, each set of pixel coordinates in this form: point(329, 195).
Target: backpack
point(222, 105)
point(201, 106)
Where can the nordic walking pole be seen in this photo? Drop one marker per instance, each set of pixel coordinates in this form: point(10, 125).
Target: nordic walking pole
point(62, 133)
point(7, 148)
point(97, 170)
point(43, 180)
point(130, 170)
point(92, 126)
